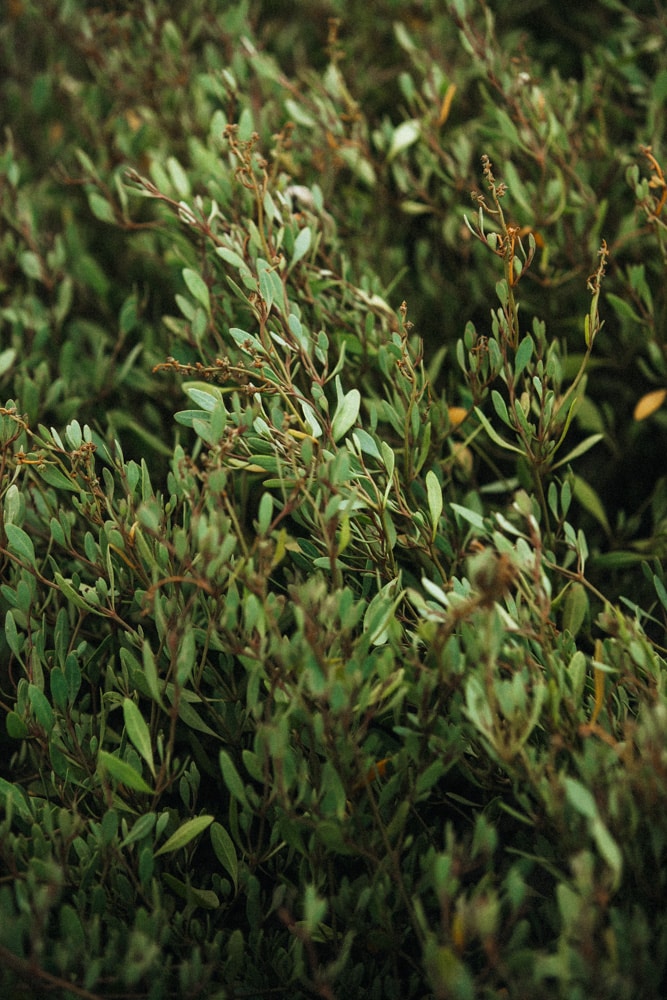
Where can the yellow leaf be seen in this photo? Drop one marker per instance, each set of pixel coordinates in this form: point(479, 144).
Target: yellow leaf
point(649, 403)
point(446, 104)
point(457, 415)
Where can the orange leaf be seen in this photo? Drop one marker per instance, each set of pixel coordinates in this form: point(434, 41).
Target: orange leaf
point(649, 403)
point(446, 104)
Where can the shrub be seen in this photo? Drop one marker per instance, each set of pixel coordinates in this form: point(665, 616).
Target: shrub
point(316, 681)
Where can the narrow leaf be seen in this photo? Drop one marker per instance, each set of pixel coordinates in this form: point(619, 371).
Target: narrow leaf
point(225, 852)
point(580, 449)
point(232, 778)
point(122, 772)
point(150, 672)
point(493, 434)
point(500, 407)
point(590, 501)
point(138, 732)
point(435, 502)
point(185, 833)
point(471, 516)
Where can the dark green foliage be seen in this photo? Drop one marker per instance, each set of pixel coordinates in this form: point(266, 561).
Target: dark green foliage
point(333, 659)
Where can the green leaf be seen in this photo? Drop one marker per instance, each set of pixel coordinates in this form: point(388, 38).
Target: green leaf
point(208, 398)
point(608, 848)
point(190, 717)
point(581, 798)
point(101, 208)
point(405, 135)
point(301, 245)
point(138, 732)
point(59, 689)
point(53, 476)
point(225, 852)
point(141, 829)
point(500, 407)
point(232, 778)
point(381, 611)
point(622, 308)
point(7, 359)
point(493, 434)
point(12, 635)
point(314, 909)
point(246, 341)
point(31, 265)
point(197, 288)
point(590, 501)
point(270, 285)
point(186, 658)
point(435, 501)
point(150, 672)
point(580, 449)
point(122, 772)
point(231, 257)
point(74, 596)
point(523, 354)
point(41, 707)
point(310, 419)
point(11, 795)
point(179, 178)
point(660, 590)
point(185, 833)
point(471, 516)
point(346, 413)
point(16, 727)
point(20, 543)
point(575, 608)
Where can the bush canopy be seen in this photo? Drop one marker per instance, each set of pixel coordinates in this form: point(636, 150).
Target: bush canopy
point(333, 500)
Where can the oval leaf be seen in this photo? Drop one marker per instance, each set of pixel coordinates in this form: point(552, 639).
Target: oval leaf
point(197, 288)
point(301, 245)
point(649, 403)
point(404, 135)
point(346, 414)
point(20, 543)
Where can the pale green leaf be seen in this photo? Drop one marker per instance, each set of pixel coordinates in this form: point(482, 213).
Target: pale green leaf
point(435, 501)
point(301, 245)
point(495, 437)
point(405, 135)
point(346, 413)
point(197, 288)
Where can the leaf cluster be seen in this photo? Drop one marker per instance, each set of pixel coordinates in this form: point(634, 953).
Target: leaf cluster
point(329, 667)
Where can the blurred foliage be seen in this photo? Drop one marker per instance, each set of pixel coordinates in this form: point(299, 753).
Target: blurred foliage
point(333, 502)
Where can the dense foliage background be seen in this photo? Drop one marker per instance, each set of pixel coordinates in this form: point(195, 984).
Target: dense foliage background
point(333, 500)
